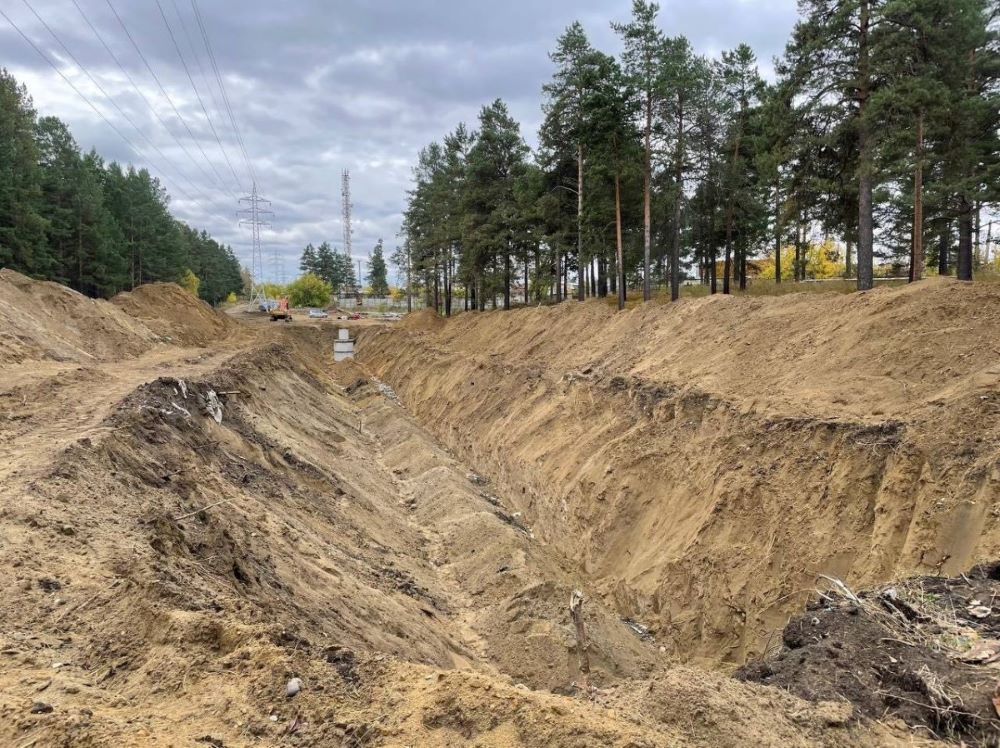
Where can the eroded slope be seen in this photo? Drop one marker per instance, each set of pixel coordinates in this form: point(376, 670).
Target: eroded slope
point(703, 463)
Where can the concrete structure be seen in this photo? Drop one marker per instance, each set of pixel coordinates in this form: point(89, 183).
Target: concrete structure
point(343, 346)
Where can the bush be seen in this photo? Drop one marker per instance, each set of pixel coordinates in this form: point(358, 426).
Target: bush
point(190, 283)
point(309, 290)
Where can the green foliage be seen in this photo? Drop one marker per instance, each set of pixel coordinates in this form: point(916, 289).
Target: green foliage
point(273, 290)
point(733, 169)
point(378, 279)
point(99, 228)
point(189, 282)
point(309, 290)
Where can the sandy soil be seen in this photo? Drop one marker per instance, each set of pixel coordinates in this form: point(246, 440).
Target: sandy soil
point(703, 463)
point(167, 574)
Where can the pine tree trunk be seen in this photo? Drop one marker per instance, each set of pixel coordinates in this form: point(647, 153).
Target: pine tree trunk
point(712, 273)
point(618, 242)
point(965, 240)
point(675, 249)
point(409, 281)
point(565, 277)
point(944, 249)
point(977, 233)
point(866, 238)
point(743, 266)
point(917, 264)
point(777, 232)
point(647, 201)
point(506, 279)
point(727, 266)
point(579, 222)
point(848, 251)
point(447, 285)
point(558, 276)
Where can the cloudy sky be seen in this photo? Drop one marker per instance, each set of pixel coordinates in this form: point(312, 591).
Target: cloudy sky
point(316, 87)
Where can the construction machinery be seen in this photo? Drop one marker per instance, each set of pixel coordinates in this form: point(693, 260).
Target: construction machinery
point(281, 311)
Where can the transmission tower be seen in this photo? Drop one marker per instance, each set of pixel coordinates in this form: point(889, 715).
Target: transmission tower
point(253, 216)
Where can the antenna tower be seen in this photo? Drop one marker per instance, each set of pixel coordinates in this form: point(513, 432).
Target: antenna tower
point(253, 216)
point(345, 194)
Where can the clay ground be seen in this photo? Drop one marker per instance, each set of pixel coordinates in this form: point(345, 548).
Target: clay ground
point(403, 532)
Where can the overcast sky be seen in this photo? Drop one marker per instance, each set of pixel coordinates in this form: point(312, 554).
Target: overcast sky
point(317, 87)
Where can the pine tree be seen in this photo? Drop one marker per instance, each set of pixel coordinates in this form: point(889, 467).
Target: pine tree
point(309, 263)
point(22, 227)
point(377, 272)
point(326, 266)
point(830, 56)
point(613, 143)
point(565, 126)
point(495, 163)
point(686, 78)
point(642, 59)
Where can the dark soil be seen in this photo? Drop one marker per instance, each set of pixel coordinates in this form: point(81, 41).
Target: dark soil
point(899, 652)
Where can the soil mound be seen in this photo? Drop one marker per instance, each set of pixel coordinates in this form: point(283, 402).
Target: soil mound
point(703, 462)
point(175, 314)
point(43, 320)
point(926, 650)
point(425, 319)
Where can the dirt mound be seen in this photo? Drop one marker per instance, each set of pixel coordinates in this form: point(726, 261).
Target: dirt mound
point(425, 319)
point(703, 462)
point(926, 650)
point(175, 314)
point(43, 320)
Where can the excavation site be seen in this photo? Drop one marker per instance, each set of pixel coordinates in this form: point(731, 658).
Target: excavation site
point(554, 526)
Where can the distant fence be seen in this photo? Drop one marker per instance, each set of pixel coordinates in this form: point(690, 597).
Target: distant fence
point(376, 303)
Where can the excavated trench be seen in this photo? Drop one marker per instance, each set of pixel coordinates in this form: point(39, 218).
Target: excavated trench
point(402, 533)
point(709, 506)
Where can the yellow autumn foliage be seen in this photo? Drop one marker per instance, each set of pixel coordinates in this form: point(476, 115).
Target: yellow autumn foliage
point(825, 260)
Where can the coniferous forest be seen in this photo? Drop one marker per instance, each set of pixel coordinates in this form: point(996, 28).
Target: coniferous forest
point(97, 227)
point(878, 133)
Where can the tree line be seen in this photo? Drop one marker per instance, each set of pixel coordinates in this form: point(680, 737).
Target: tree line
point(880, 130)
point(336, 269)
point(98, 227)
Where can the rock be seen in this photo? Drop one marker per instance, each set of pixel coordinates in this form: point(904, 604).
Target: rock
point(67, 530)
point(40, 707)
point(293, 687)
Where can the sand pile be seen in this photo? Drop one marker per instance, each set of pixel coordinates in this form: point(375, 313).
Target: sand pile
point(702, 463)
point(175, 314)
point(43, 320)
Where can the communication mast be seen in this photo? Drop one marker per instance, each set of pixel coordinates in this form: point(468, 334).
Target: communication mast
point(345, 195)
point(253, 216)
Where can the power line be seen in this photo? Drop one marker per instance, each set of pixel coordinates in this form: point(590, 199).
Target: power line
point(83, 96)
point(113, 103)
point(205, 81)
point(170, 100)
point(204, 110)
point(222, 88)
point(143, 96)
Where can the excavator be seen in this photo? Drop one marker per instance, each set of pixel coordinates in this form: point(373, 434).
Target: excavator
point(281, 311)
